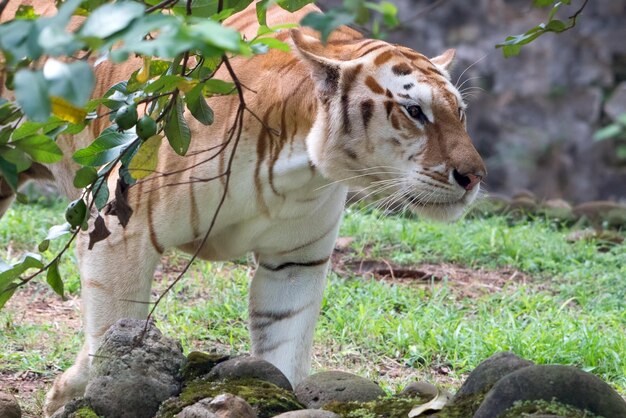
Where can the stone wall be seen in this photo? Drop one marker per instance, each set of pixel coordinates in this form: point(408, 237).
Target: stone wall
point(534, 115)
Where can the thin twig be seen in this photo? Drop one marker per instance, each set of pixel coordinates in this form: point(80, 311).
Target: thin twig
point(162, 5)
point(3, 5)
point(236, 131)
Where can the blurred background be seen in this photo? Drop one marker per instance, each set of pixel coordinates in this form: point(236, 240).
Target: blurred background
point(533, 117)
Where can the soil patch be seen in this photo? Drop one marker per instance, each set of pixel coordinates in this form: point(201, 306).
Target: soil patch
point(466, 282)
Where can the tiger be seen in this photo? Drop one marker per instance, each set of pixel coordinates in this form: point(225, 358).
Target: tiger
point(323, 118)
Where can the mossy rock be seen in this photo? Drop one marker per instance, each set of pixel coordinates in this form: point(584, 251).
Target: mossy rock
point(84, 412)
point(266, 399)
point(490, 206)
point(463, 407)
point(390, 407)
point(534, 408)
point(77, 408)
point(199, 364)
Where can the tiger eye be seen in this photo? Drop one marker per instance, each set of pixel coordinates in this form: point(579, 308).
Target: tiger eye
point(416, 112)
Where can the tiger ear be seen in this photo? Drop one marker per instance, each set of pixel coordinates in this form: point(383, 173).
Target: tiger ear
point(324, 70)
point(444, 60)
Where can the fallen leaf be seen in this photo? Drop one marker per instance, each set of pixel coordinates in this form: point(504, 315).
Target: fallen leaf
point(435, 404)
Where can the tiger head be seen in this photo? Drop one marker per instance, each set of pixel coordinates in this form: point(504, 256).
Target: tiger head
point(390, 121)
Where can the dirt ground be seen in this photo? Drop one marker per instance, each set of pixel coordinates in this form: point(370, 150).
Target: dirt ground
point(37, 305)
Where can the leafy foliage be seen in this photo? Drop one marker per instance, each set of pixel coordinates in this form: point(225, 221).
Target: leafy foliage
point(512, 45)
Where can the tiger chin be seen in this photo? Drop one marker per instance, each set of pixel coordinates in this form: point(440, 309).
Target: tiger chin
point(351, 113)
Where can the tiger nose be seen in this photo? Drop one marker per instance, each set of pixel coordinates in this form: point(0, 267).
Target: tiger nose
point(467, 181)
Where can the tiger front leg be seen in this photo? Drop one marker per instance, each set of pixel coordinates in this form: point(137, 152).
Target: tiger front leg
point(285, 299)
point(113, 286)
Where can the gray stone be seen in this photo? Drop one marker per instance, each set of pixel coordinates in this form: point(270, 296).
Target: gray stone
point(422, 389)
point(133, 372)
point(602, 213)
point(308, 413)
point(73, 409)
point(616, 105)
point(196, 410)
point(563, 384)
point(9, 408)
point(487, 373)
point(249, 367)
point(321, 388)
point(222, 406)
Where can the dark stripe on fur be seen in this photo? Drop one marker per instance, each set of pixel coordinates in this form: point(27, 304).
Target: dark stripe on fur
point(367, 111)
point(290, 264)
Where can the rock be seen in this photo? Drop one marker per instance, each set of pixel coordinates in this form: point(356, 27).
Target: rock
point(558, 209)
point(424, 390)
point(267, 399)
point(492, 205)
point(196, 410)
point(487, 373)
point(250, 367)
point(199, 364)
point(524, 194)
point(563, 384)
point(522, 205)
point(308, 413)
point(76, 408)
point(557, 204)
point(602, 213)
point(9, 408)
point(130, 375)
point(321, 388)
point(616, 105)
point(222, 406)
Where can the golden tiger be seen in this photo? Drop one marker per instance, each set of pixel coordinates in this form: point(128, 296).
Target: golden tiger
point(323, 118)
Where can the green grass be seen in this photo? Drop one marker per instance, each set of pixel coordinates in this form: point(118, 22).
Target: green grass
point(570, 312)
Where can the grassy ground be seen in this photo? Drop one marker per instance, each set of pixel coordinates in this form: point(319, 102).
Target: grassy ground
point(459, 293)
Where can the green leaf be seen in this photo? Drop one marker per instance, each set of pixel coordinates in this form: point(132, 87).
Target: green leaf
point(326, 23)
point(197, 105)
point(29, 128)
point(212, 33)
point(58, 230)
point(164, 83)
point(9, 173)
point(261, 11)
point(5, 294)
point(19, 37)
point(106, 148)
point(53, 278)
point(16, 157)
point(272, 43)
point(74, 81)
point(293, 5)
point(9, 273)
point(556, 26)
point(610, 131)
point(111, 18)
point(56, 41)
point(26, 12)
point(215, 86)
point(100, 193)
point(31, 93)
point(84, 177)
point(146, 159)
point(41, 148)
point(177, 130)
